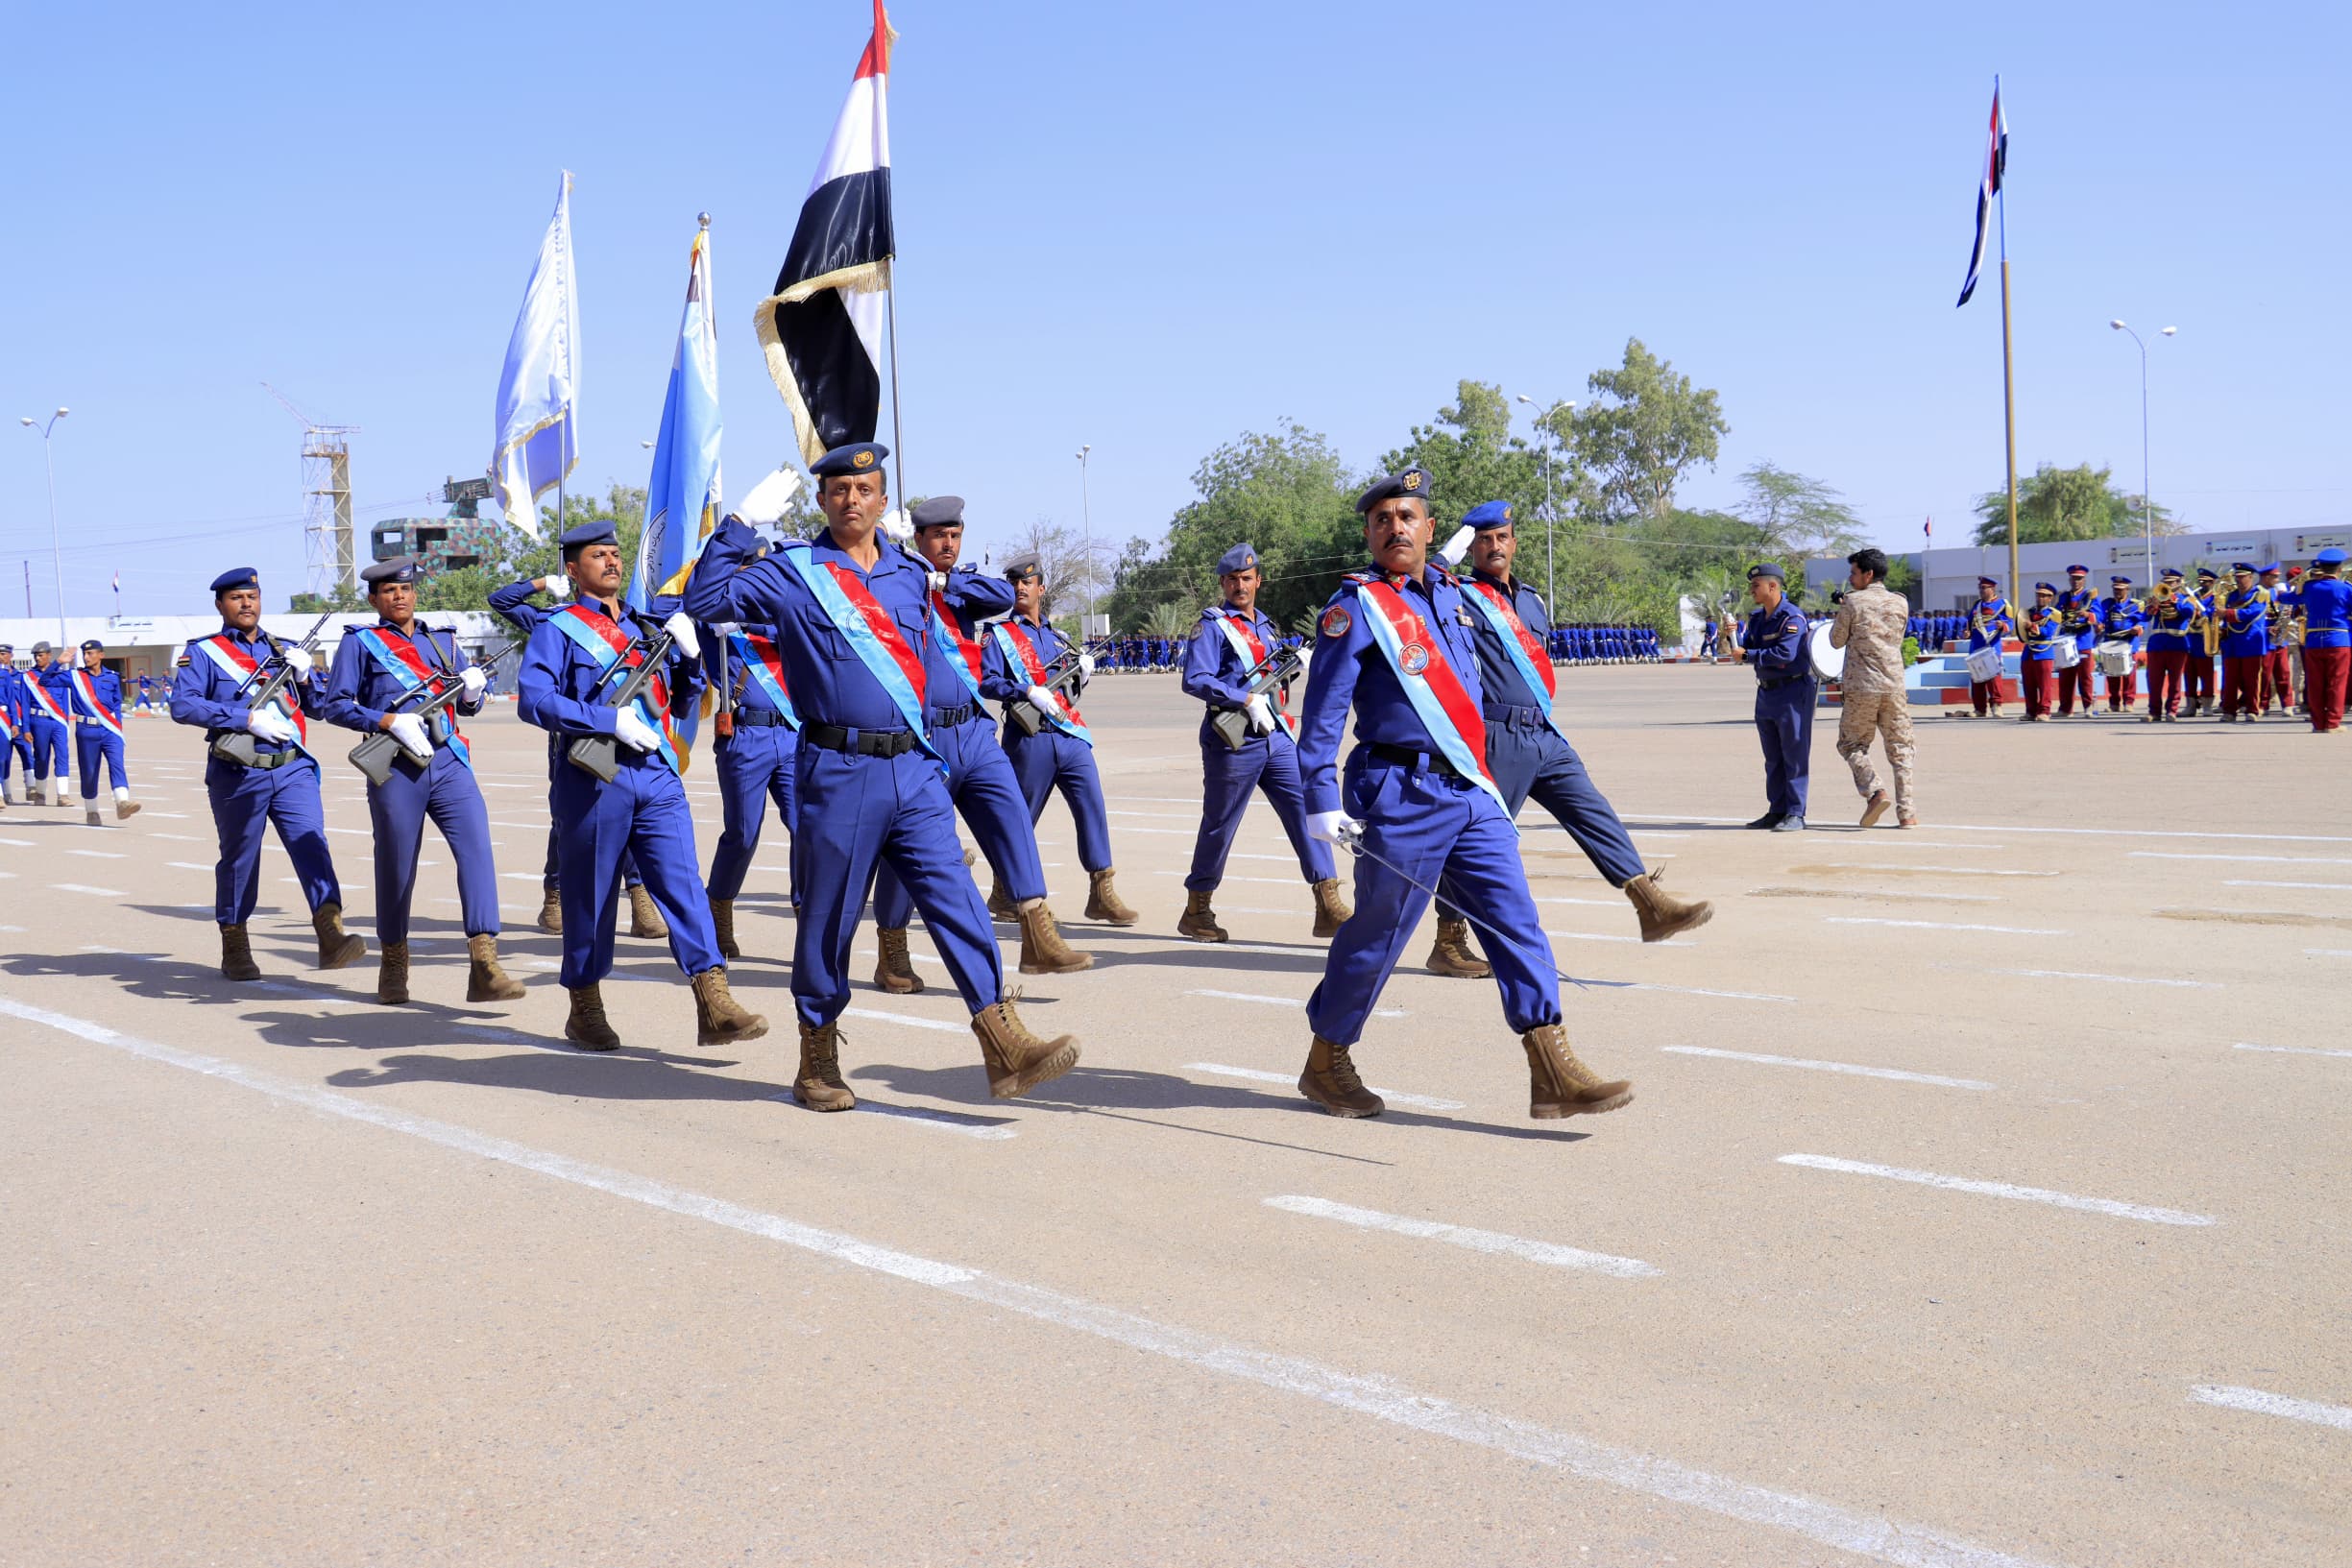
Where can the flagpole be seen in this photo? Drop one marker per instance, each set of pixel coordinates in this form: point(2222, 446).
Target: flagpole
point(898, 435)
point(2008, 369)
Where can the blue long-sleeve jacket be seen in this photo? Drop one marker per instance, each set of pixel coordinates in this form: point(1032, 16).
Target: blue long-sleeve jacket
point(1215, 672)
point(206, 696)
point(2120, 620)
point(561, 687)
point(360, 691)
point(108, 687)
point(1349, 670)
point(1497, 671)
point(972, 596)
point(513, 604)
point(1774, 641)
point(56, 683)
point(1001, 680)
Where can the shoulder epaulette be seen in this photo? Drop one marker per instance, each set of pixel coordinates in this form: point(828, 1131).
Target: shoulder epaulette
point(1359, 578)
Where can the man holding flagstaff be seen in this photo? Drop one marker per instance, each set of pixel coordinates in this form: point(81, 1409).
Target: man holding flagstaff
point(97, 694)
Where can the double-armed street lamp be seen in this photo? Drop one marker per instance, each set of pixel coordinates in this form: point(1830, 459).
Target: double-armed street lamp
point(1551, 508)
point(56, 554)
point(1086, 533)
point(2148, 501)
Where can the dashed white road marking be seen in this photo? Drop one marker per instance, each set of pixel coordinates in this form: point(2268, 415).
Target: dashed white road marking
point(1590, 904)
point(98, 892)
point(1612, 936)
point(2091, 833)
point(930, 1120)
point(97, 855)
point(177, 839)
point(2291, 1051)
point(189, 865)
point(1547, 1253)
point(1962, 871)
point(1944, 925)
point(174, 816)
point(1286, 1001)
point(1269, 882)
point(2001, 1189)
point(1854, 1068)
point(2317, 887)
point(2242, 860)
point(18, 843)
point(2327, 952)
point(523, 876)
point(2261, 1403)
point(1395, 1096)
point(2112, 979)
point(1165, 816)
point(355, 832)
point(1688, 990)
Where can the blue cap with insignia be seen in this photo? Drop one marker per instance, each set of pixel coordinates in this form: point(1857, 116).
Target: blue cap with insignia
point(594, 531)
point(938, 512)
point(1411, 482)
point(2046, 588)
point(400, 569)
point(1488, 514)
point(2328, 557)
point(92, 642)
point(2268, 569)
point(1988, 582)
point(1765, 569)
point(2247, 566)
point(236, 577)
point(1022, 567)
point(2078, 571)
point(2119, 580)
point(1240, 557)
point(857, 457)
point(2206, 574)
point(2169, 573)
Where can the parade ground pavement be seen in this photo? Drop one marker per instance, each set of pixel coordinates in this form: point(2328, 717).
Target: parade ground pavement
point(1984, 1200)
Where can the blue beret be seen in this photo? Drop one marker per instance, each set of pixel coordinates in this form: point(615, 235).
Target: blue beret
point(1988, 582)
point(2171, 574)
point(2328, 557)
point(1023, 565)
point(2119, 580)
point(2083, 571)
point(857, 457)
point(1411, 482)
point(400, 569)
point(938, 512)
point(1767, 569)
point(597, 531)
point(2206, 574)
point(94, 643)
point(2272, 567)
point(1489, 515)
point(236, 577)
point(1240, 557)
point(2247, 566)
point(2046, 588)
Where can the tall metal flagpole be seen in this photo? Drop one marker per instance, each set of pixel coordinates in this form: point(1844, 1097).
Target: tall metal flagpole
point(898, 435)
point(2008, 367)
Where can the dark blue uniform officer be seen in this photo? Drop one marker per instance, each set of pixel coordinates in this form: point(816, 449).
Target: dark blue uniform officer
point(756, 756)
point(16, 745)
point(852, 613)
point(212, 686)
point(1773, 640)
point(1397, 644)
point(1022, 650)
point(1232, 642)
point(97, 694)
point(48, 719)
point(384, 681)
point(979, 776)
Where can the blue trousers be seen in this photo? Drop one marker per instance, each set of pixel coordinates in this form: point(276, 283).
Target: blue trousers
point(1530, 760)
point(756, 764)
point(1268, 763)
point(1428, 826)
point(1050, 760)
point(18, 748)
point(859, 811)
point(446, 792)
point(981, 782)
point(95, 744)
point(1785, 724)
point(549, 878)
point(244, 802)
point(48, 738)
point(641, 814)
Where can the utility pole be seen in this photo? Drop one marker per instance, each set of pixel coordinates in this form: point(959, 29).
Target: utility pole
point(1086, 533)
point(57, 551)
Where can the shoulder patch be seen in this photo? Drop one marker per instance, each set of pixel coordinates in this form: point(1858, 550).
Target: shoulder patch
point(1336, 621)
point(182, 661)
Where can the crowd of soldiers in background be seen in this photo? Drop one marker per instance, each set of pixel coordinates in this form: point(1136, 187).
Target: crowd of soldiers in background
point(1579, 642)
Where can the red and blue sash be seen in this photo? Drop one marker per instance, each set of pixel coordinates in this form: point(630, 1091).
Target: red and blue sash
point(86, 689)
point(1014, 640)
point(605, 642)
point(244, 668)
point(1242, 638)
point(1429, 683)
point(765, 667)
point(874, 636)
point(41, 699)
point(1525, 649)
point(404, 664)
point(963, 652)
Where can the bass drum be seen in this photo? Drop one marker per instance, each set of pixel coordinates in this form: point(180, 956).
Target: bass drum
point(1829, 662)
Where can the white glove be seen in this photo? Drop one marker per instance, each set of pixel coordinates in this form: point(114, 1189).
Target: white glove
point(897, 524)
point(635, 732)
point(268, 724)
point(1261, 716)
point(560, 586)
point(475, 679)
point(409, 731)
point(301, 661)
point(1085, 666)
point(1334, 826)
point(1457, 546)
point(1043, 699)
point(681, 631)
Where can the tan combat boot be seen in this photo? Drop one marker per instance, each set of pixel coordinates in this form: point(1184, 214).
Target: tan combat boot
point(1560, 1085)
point(819, 1084)
point(1875, 807)
point(1662, 914)
point(719, 1020)
point(1043, 952)
point(722, 924)
point(551, 912)
point(237, 956)
point(644, 919)
point(1331, 911)
point(1199, 921)
point(91, 816)
point(894, 969)
point(1017, 1060)
point(588, 1027)
point(1102, 901)
point(392, 975)
point(485, 980)
point(1330, 1081)
point(1000, 903)
point(1450, 956)
point(126, 808)
point(337, 947)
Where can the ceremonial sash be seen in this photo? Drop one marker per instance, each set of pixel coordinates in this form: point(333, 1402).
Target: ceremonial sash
point(963, 652)
point(405, 664)
point(1526, 650)
point(1429, 683)
point(873, 636)
point(1015, 641)
point(242, 666)
point(1245, 640)
point(765, 669)
point(88, 689)
point(41, 699)
point(593, 631)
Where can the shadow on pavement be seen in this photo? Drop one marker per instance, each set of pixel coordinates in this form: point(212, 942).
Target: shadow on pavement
point(625, 1074)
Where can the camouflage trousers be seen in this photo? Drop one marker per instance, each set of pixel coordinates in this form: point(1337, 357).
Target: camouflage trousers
point(1863, 714)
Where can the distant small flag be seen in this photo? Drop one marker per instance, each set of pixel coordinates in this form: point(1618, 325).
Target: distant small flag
point(1995, 163)
point(118, 582)
point(1930, 530)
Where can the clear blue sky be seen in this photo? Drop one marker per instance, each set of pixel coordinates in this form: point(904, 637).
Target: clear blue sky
point(1150, 228)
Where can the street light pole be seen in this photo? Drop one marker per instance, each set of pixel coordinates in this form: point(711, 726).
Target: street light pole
point(56, 554)
point(1551, 508)
point(1085, 535)
point(2147, 500)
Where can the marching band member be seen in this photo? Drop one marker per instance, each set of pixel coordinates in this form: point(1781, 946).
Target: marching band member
point(2120, 619)
point(2171, 627)
point(2204, 678)
point(2077, 617)
point(2278, 664)
point(2037, 662)
point(1990, 625)
point(2245, 646)
point(2327, 641)
point(97, 694)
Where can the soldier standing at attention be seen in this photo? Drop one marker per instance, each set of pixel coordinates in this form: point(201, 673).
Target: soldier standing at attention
point(2204, 685)
point(212, 688)
point(97, 693)
point(2037, 662)
point(1059, 755)
point(2246, 647)
point(1395, 645)
point(1870, 625)
point(1233, 640)
point(979, 776)
point(14, 745)
point(48, 700)
point(379, 672)
point(2077, 618)
point(851, 611)
point(1773, 640)
point(2327, 641)
point(1990, 624)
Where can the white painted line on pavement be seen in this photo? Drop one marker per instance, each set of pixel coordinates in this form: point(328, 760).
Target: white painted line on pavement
point(2001, 1189)
point(174, 816)
point(177, 839)
point(1852, 1068)
point(18, 843)
point(189, 865)
point(1395, 1096)
point(1610, 937)
point(1165, 816)
point(97, 855)
point(2112, 979)
point(1690, 990)
point(2238, 881)
point(523, 876)
point(932, 1121)
point(355, 832)
point(1944, 925)
point(1958, 871)
point(2261, 1403)
point(2291, 1051)
point(906, 1019)
point(1547, 1253)
point(1286, 1001)
point(2327, 952)
point(1269, 882)
point(2244, 859)
point(1590, 904)
point(2091, 832)
point(100, 892)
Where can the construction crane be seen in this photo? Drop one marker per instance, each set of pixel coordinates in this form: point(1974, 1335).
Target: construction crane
point(327, 499)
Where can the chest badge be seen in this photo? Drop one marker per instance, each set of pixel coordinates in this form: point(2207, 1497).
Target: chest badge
point(1413, 659)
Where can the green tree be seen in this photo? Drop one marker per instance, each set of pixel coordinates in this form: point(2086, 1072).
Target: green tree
point(1795, 517)
point(1645, 428)
point(2054, 503)
point(1472, 457)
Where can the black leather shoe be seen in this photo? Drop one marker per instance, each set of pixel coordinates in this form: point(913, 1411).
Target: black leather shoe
point(1770, 819)
point(1789, 825)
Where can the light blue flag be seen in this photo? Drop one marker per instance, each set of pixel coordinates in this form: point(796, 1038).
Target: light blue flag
point(537, 442)
point(682, 498)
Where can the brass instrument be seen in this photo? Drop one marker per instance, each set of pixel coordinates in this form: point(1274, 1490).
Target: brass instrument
point(2284, 624)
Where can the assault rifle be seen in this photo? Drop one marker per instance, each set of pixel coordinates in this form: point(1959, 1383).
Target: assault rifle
point(375, 755)
point(599, 755)
point(1057, 675)
point(1279, 669)
point(241, 746)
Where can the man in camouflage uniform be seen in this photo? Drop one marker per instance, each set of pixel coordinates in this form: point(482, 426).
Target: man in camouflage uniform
point(1869, 626)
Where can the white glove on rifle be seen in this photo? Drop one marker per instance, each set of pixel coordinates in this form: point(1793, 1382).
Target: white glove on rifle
point(475, 679)
point(681, 631)
point(635, 732)
point(409, 731)
point(560, 586)
point(1043, 699)
point(1085, 666)
point(1261, 716)
point(268, 724)
point(301, 661)
point(1334, 826)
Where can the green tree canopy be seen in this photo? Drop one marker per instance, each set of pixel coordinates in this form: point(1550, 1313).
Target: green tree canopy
point(1472, 457)
point(2054, 503)
point(1644, 429)
point(1795, 517)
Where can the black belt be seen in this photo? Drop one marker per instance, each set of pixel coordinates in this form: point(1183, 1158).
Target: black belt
point(263, 761)
point(1503, 712)
point(869, 743)
point(954, 716)
point(1775, 686)
point(1408, 758)
point(761, 718)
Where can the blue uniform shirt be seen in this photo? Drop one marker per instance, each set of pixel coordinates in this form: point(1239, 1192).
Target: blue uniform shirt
point(561, 687)
point(206, 696)
point(108, 687)
point(1989, 622)
point(12, 698)
point(513, 603)
point(1349, 669)
point(972, 596)
point(2168, 626)
point(1774, 641)
point(1498, 674)
point(56, 681)
point(1215, 672)
point(2119, 619)
point(360, 691)
point(2327, 613)
point(1000, 679)
point(2244, 634)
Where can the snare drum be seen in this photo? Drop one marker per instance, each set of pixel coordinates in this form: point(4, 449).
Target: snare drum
point(2115, 661)
point(1984, 664)
point(1829, 662)
point(2066, 653)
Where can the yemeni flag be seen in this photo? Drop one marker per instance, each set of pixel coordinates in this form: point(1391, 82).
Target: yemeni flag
point(822, 326)
point(1995, 163)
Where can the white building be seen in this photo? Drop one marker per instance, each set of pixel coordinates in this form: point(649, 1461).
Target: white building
point(149, 645)
point(1948, 578)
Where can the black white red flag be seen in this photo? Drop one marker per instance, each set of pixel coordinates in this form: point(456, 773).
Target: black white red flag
point(1996, 163)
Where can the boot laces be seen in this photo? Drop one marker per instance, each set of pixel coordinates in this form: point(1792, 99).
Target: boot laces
point(1343, 1074)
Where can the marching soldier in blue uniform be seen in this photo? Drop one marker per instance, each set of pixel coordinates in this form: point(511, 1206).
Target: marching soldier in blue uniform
point(212, 686)
point(48, 722)
point(1773, 640)
point(15, 746)
point(979, 776)
point(1235, 640)
point(756, 756)
point(385, 680)
point(573, 667)
point(1397, 646)
point(1022, 653)
point(97, 694)
point(852, 613)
